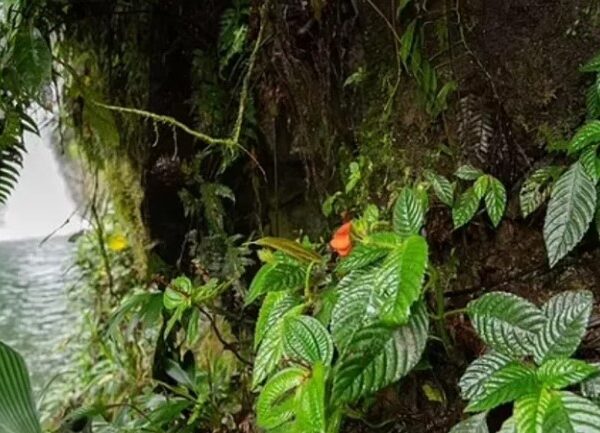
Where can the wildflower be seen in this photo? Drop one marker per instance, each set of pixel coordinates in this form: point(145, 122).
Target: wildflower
point(341, 242)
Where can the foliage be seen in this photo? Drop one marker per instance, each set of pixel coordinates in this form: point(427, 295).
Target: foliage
point(17, 410)
point(515, 331)
point(465, 205)
point(377, 326)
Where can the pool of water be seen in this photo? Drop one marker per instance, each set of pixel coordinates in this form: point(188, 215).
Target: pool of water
point(35, 315)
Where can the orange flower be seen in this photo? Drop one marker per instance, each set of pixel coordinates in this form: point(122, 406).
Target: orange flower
point(341, 242)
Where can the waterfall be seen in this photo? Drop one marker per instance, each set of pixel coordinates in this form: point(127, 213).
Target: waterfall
point(40, 203)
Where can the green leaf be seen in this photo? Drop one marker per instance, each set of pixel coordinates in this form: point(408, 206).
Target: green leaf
point(17, 409)
point(505, 385)
point(400, 279)
point(586, 135)
point(273, 308)
point(178, 293)
point(590, 388)
point(406, 41)
point(589, 161)
point(592, 100)
point(481, 185)
point(275, 405)
point(531, 410)
point(550, 411)
point(306, 339)
point(505, 322)
point(475, 424)
point(362, 255)
point(508, 426)
point(560, 373)
point(409, 213)
point(567, 316)
point(367, 370)
point(270, 350)
point(310, 412)
point(444, 190)
point(477, 373)
point(570, 211)
point(537, 188)
point(592, 65)
point(358, 305)
point(32, 59)
point(465, 208)
point(495, 200)
point(276, 276)
point(468, 172)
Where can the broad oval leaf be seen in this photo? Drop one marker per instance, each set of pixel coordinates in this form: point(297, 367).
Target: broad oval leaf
point(362, 255)
point(531, 410)
point(505, 322)
point(306, 339)
point(560, 373)
point(586, 135)
point(479, 371)
point(465, 208)
point(358, 305)
point(400, 279)
point(508, 426)
point(567, 316)
point(17, 409)
point(369, 369)
point(275, 405)
point(505, 385)
point(537, 188)
point(475, 424)
point(495, 200)
point(590, 388)
point(570, 211)
point(409, 213)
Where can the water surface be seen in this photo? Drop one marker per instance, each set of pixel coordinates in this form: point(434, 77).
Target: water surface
point(35, 317)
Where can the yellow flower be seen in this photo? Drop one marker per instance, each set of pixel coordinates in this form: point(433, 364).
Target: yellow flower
point(117, 242)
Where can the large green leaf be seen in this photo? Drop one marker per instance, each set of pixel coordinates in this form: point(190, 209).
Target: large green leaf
point(358, 305)
point(567, 315)
point(400, 279)
point(465, 208)
point(371, 367)
point(475, 424)
point(570, 211)
point(362, 255)
point(508, 426)
point(479, 371)
point(409, 213)
point(275, 405)
point(495, 200)
point(17, 410)
point(507, 323)
point(310, 407)
point(586, 135)
point(270, 350)
point(273, 308)
point(590, 388)
point(592, 65)
point(560, 373)
point(306, 339)
point(505, 385)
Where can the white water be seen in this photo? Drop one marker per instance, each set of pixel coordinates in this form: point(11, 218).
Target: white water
point(40, 203)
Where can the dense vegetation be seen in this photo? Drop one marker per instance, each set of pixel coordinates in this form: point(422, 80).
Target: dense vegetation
point(450, 147)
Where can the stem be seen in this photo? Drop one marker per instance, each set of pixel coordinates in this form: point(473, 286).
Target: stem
point(307, 293)
point(440, 308)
